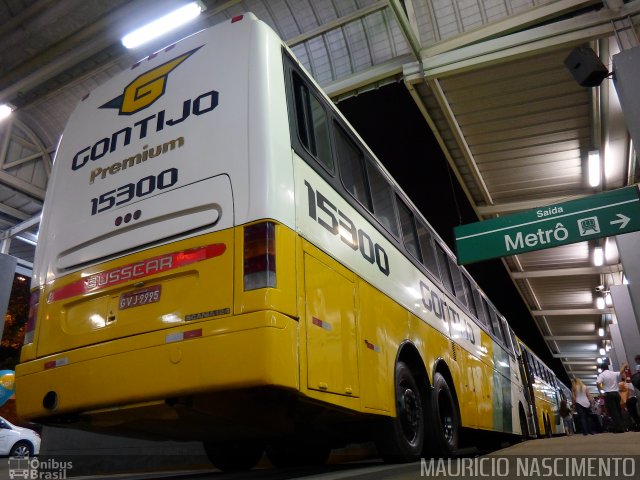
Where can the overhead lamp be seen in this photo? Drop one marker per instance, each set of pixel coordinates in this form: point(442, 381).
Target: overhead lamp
point(162, 25)
point(602, 352)
point(608, 301)
point(5, 111)
point(595, 176)
point(599, 360)
point(600, 303)
point(601, 332)
point(610, 250)
point(598, 256)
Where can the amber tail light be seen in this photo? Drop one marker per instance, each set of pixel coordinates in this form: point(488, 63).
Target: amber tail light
point(260, 256)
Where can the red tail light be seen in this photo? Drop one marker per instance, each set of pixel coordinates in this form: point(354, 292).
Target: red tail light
point(34, 302)
point(260, 256)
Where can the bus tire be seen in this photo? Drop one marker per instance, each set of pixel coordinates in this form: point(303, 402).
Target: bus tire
point(443, 430)
point(401, 438)
point(297, 452)
point(234, 456)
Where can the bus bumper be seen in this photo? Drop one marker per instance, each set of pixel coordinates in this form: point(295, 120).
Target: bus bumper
point(257, 349)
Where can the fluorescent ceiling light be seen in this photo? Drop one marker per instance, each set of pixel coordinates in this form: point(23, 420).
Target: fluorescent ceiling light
point(598, 256)
point(608, 301)
point(162, 25)
point(594, 168)
point(601, 332)
point(610, 250)
point(5, 111)
point(602, 351)
point(600, 303)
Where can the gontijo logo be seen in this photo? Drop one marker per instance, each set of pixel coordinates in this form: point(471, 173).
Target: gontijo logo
point(138, 95)
point(146, 88)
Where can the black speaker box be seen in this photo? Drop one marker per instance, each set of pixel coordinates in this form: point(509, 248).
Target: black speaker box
point(585, 67)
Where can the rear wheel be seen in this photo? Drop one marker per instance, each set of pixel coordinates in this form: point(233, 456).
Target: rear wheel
point(297, 452)
point(234, 456)
point(402, 437)
point(21, 450)
point(444, 422)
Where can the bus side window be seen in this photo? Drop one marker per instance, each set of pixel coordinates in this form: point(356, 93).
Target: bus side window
point(470, 300)
point(514, 342)
point(426, 245)
point(351, 161)
point(480, 307)
point(495, 325)
point(505, 332)
point(382, 196)
point(458, 286)
point(408, 227)
point(313, 130)
point(443, 265)
point(487, 313)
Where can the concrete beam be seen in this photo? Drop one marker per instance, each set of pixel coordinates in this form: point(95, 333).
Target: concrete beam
point(593, 355)
point(573, 338)
point(571, 311)
point(567, 272)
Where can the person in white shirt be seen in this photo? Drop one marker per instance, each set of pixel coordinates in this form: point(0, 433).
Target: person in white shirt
point(582, 400)
point(608, 382)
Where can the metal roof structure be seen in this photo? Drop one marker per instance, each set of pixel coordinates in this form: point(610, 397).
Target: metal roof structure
point(488, 77)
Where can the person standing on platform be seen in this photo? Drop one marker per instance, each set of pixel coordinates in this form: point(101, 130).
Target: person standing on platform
point(582, 400)
point(608, 381)
point(567, 419)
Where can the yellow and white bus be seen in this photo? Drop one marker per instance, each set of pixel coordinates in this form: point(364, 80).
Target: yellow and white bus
point(222, 258)
point(544, 390)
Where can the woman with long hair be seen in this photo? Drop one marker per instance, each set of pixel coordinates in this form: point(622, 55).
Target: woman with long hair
point(582, 400)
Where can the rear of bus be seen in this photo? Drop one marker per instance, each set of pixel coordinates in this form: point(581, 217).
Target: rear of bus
point(165, 268)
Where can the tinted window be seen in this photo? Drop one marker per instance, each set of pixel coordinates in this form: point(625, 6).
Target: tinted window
point(505, 332)
point(351, 161)
point(426, 245)
point(457, 281)
point(467, 285)
point(497, 328)
point(443, 266)
point(481, 307)
point(408, 228)
point(382, 197)
point(311, 117)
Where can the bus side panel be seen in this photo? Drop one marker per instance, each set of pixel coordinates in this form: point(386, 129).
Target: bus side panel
point(332, 361)
point(484, 387)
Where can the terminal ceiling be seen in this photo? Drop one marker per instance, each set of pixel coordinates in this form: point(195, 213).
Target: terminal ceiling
point(488, 77)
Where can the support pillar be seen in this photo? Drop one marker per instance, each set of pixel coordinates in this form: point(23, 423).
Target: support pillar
point(7, 270)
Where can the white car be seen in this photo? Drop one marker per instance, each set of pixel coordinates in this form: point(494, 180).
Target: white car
point(17, 441)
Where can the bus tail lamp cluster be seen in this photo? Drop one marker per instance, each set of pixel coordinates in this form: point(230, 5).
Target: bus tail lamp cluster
point(260, 256)
point(34, 302)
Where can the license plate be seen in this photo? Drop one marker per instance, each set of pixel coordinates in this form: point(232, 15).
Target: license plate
point(141, 297)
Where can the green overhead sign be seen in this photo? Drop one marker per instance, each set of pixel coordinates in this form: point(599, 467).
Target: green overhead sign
point(601, 215)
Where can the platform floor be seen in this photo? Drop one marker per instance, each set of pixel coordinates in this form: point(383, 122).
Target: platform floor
point(599, 444)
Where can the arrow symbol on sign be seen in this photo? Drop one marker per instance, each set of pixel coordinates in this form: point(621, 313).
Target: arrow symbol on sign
point(622, 220)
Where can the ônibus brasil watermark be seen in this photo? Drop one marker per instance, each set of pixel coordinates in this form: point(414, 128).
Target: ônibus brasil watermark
point(36, 469)
point(565, 467)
